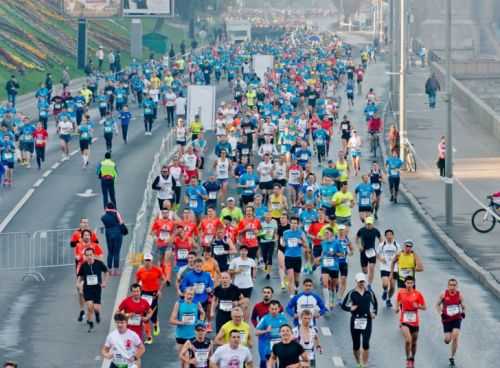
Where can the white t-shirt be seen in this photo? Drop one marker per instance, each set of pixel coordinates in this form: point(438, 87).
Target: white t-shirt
point(170, 99)
point(226, 357)
point(280, 171)
point(180, 105)
point(65, 127)
point(123, 346)
point(189, 161)
point(387, 251)
point(244, 279)
point(265, 170)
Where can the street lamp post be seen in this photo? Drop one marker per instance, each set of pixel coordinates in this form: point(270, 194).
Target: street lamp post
point(402, 78)
point(449, 127)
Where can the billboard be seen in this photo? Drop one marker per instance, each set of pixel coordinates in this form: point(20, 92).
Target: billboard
point(262, 64)
point(147, 7)
point(201, 101)
point(92, 8)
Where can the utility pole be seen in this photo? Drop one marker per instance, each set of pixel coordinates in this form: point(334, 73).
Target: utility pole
point(449, 132)
point(402, 78)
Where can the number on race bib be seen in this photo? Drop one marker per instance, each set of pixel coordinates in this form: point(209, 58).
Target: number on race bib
point(360, 323)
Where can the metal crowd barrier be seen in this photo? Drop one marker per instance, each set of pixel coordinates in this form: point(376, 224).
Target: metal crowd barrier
point(32, 252)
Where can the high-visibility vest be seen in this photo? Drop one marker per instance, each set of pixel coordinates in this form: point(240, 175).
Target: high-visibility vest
point(108, 168)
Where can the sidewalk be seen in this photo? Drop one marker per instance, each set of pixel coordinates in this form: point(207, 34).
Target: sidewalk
point(477, 166)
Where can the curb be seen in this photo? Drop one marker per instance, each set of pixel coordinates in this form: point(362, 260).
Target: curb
point(482, 275)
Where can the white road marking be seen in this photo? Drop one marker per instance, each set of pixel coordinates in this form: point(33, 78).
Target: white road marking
point(47, 173)
point(55, 166)
point(337, 361)
point(73, 153)
point(16, 209)
point(38, 182)
point(87, 194)
point(326, 331)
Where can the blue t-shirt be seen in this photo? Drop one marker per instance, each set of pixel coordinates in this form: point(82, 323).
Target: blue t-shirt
point(328, 259)
point(196, 201)
point(275, 322)
point(364, 193)
point(341, 248)
point(250, 181)
point(125, 117)
point(188, 312)
point(326, 193)
point(293, 243)
point(394, 164)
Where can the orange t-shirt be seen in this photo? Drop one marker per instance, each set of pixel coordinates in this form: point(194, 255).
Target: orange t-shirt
point(150, 280)
point(163, 229)
point(249, 228)
point(408, 311)
point(76, 237)
point(79, 251)
point(208, 228)
point(210, 265)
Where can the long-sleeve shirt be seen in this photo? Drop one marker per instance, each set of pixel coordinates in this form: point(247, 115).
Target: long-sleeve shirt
point(364, 301)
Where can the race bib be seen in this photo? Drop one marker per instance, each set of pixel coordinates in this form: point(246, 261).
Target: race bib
point(250, 183)
point(134, 320)
point(164, 235)
point(188, 318)
point(201, 357)
point(219, 250)
point(328, 261)
point(84, 135)
point(245, 151)
point(376, 186)
point(293, 242)
point(405, 272)
point(370, 253)
point(182, 253)
point(365, 201)
point(199, 288)
point(212, 195)
point(92, 280)
point(250, 235)
point(304, 157)
point(410, 317)
point(108, 129)
point(193, 203)
point(394, 172)
point(40, 141)
point(226, 305)
point(103, 105)
point(360, 323)
point(452, 310)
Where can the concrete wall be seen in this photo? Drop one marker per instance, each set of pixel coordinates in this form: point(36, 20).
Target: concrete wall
point(483, 114)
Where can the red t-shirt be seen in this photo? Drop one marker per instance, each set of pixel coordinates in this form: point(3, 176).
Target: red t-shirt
point(408, 311)
point(314, 230)
point(208, 228)
point(137, 311)
point(40, 136)
point(182, 247)
point(163, 229)
point(248, 228)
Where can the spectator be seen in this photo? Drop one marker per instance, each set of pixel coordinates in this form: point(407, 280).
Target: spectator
point(11, 87)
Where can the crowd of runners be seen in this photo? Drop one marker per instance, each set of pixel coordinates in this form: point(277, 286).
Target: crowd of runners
point(271, 193)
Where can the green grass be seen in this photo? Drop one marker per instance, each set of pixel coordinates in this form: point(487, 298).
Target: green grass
point(117, 26)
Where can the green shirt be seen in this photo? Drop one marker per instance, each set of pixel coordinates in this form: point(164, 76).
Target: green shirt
point(235, 213)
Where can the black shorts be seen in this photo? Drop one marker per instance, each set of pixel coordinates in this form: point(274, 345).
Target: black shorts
point(281, 248)
point(343, 269)
point(246, 292)
point(329, 211)
point(350, 96)
point(364, 260)
point(448, 327)
point(266, 185)
point(413, 329)
point(317, 251)
point(27, 147)
point(245, 199)
point(252, 252)
point(388, 274)
point(92, 294)
point(280, 182)
point(293, 263)
point(365, 209)
point(84, 144)
point(180, 340)
point(346, 136)
point(334, 274)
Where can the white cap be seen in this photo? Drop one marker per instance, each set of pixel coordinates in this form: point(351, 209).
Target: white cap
point(148, 257)
point(230, 199)
point(360, 277)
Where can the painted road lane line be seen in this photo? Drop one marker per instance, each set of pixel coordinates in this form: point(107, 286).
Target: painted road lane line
point(47, 173)
point(38, 182)
point(16, 209)
point(337, 361)
point(55, 166)
point(326, 331)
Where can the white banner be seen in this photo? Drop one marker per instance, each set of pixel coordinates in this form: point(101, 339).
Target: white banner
point(147, 7)
point(201, 101)
point(261, 64)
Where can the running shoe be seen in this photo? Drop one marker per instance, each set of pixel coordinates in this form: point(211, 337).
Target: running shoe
point(156, 329)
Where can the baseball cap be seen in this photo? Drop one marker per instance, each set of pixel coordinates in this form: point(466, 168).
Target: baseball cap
point(409, 242)
point(148, 257)
point(199, 326)
point(341, 227)
point(369, 220)
point(230, 199)
point(360, 277)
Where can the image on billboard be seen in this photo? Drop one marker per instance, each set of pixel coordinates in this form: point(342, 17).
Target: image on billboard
point(92, 8)
point(147, 7)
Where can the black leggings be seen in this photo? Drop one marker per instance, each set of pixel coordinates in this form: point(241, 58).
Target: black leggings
point(148, 123)
point(394, 184)
point(356, 335)
point(170, 115)
point(266, 250)
point(154, 307)
point(40, 155)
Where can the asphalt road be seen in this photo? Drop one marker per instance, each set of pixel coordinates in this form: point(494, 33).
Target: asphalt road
point(387, 349)
point(40, 318)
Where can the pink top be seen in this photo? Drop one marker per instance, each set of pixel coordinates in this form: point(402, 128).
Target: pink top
point(442, 149)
